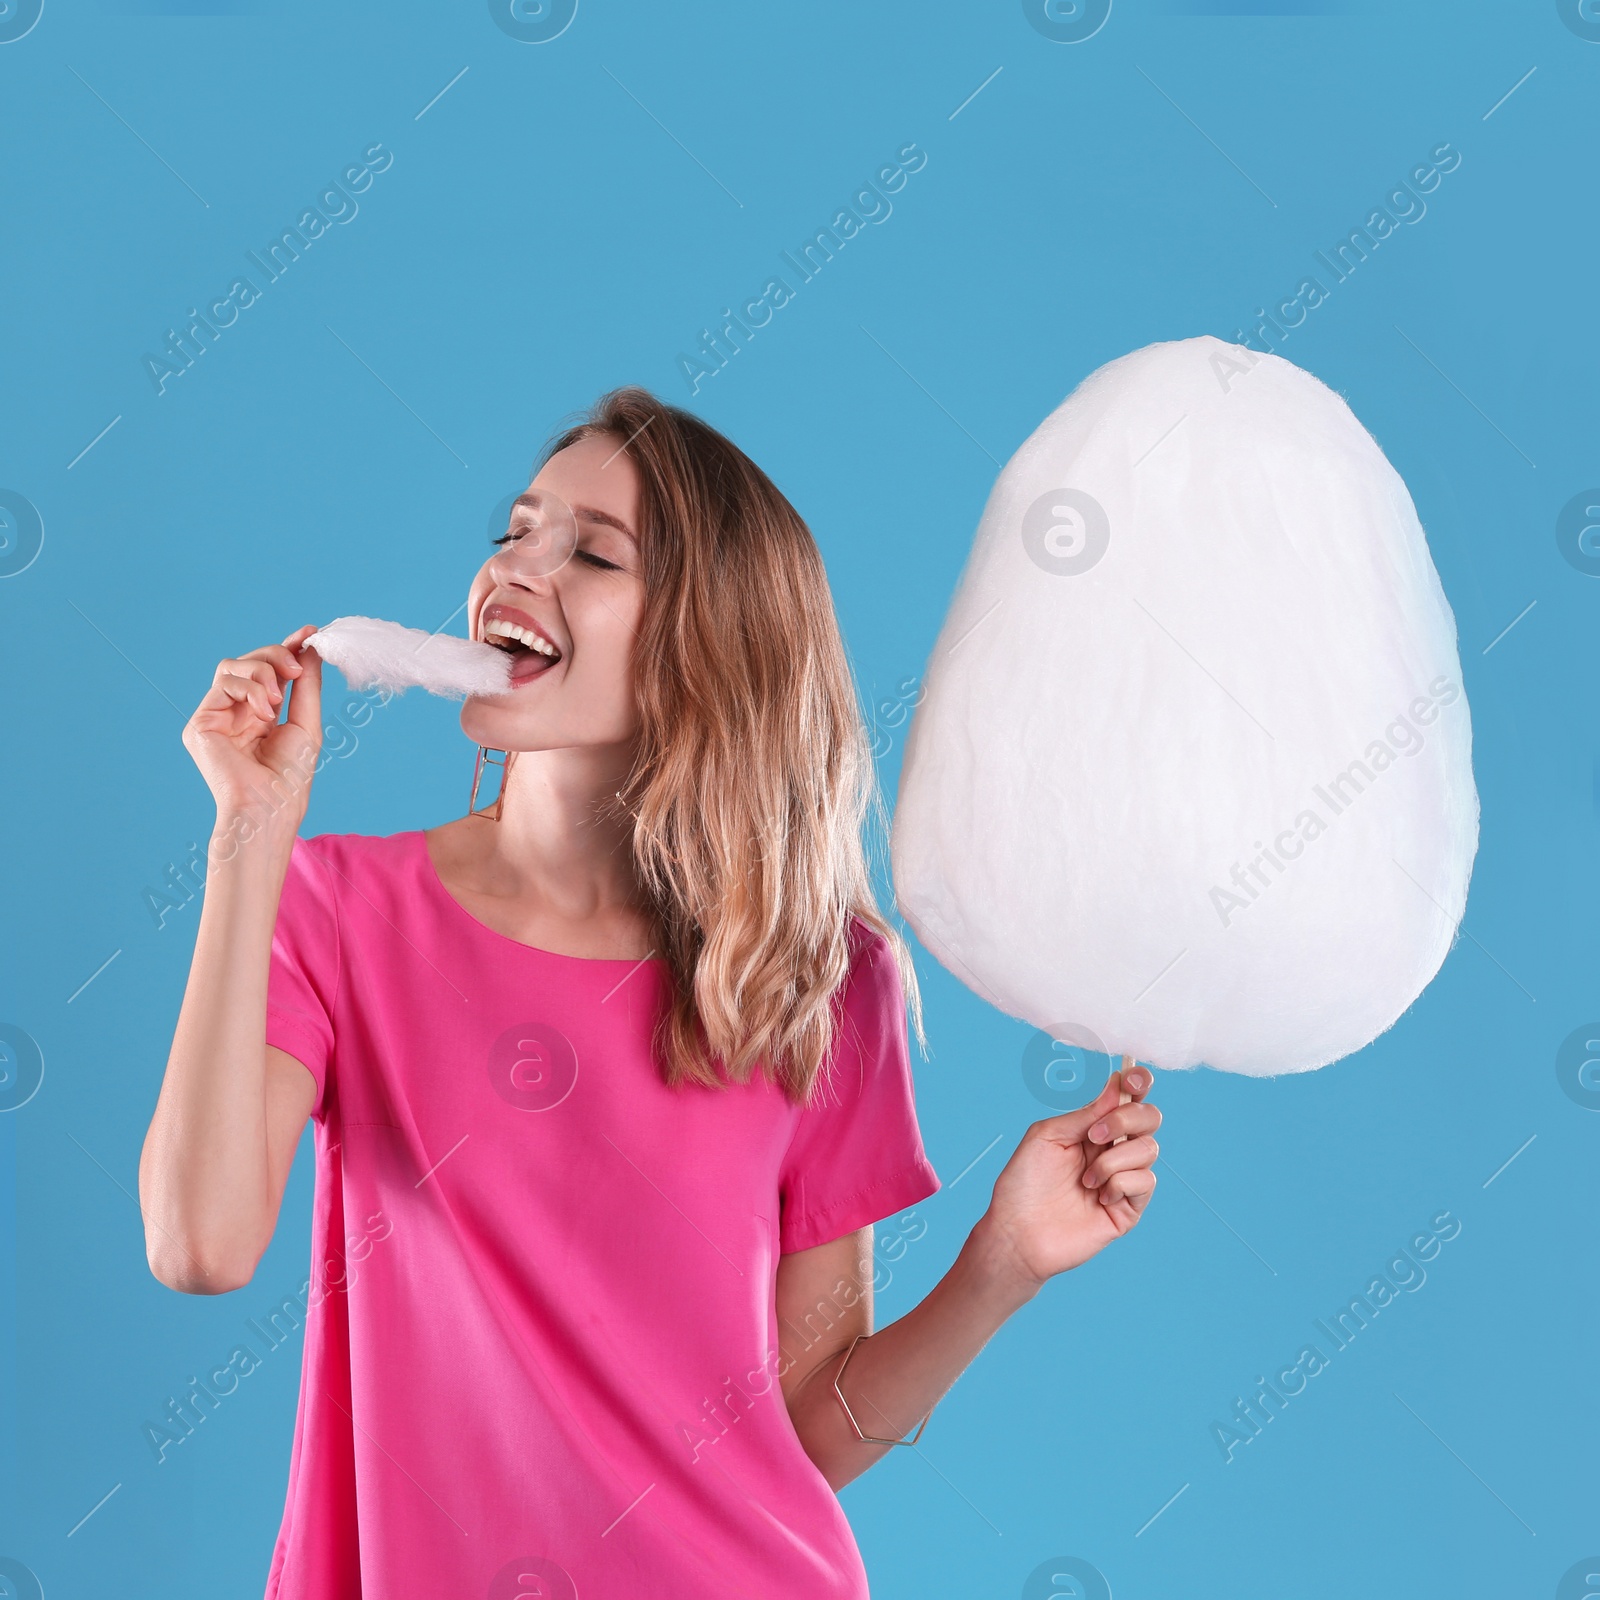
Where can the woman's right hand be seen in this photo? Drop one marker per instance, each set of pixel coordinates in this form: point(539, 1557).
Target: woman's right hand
point(247, 757)
point(232, 1107)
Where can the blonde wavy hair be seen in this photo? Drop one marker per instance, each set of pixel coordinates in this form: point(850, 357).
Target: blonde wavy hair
point(754, 776)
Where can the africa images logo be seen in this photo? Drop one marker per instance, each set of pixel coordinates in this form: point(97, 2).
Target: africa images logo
point(335, 203)
point(1403, 1273)
point(1403, 737)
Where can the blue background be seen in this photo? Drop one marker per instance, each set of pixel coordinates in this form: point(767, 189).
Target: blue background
point(570, 215)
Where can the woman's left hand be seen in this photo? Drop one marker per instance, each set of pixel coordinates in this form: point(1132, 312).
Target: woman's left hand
point(1069, 1189)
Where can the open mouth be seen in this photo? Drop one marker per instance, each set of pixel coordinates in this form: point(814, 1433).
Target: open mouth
point(532, 652)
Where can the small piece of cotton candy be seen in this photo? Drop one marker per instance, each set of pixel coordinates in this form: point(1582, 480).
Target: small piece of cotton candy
point(384, 655)
point(1191, 779)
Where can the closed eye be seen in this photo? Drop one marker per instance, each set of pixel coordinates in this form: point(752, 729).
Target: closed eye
point(583, 555)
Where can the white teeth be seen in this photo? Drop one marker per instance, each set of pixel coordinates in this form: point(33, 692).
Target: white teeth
point(499, 628)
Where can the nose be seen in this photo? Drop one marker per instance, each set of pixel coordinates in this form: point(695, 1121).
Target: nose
point(544, 535)
point(510, 569)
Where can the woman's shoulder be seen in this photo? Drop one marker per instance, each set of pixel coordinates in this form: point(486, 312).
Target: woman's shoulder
point(361, 843)
point(867, 943)
point(354, 852)
point(874, 979)
point(336, 875)
point(868, 1056)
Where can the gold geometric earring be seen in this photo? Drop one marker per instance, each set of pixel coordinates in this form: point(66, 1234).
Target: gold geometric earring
point(485, 758)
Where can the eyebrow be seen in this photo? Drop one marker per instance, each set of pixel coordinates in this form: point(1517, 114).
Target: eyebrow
point(593, 515)
point(590, 514)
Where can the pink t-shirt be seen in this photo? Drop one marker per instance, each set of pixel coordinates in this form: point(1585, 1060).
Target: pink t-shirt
point(540, 1335)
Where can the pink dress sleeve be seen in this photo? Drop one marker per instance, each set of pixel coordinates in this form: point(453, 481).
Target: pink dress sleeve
point(856, 1155)
point(303, 977)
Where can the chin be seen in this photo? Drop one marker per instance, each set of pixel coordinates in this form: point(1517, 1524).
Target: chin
point(497, 725)
point(500, 727)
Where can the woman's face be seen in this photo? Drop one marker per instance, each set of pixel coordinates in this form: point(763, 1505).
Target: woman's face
point(589, 610)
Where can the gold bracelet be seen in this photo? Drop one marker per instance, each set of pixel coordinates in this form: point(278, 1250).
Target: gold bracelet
point(867, 1438)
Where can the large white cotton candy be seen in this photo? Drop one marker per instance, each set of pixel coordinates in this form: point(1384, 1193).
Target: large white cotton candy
point(373, 654)
point(1192, 778)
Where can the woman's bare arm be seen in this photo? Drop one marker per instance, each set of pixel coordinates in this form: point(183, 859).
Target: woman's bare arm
point(231, 1109)
point(1076, 1182)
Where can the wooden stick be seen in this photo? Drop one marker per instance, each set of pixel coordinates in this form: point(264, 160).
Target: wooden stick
point(1123, 1097)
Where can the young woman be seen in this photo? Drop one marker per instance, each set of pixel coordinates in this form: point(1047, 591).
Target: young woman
point(610, 1082)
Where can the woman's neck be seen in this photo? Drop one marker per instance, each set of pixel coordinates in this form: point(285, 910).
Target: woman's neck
point(556, 870)
point(560, 832)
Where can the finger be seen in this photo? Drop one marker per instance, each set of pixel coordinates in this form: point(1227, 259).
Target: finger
point(1134, 1186)
point(261, 699)
point(1131, 1153)
point(1135, 1081)
point(249, 665)
point(252, 671)
point(1071, 1126)
point(1120, 1078)
point(267, 672)
point(282, 660)
point(305, 703)
point(1123, 1121)
point(231, 690)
